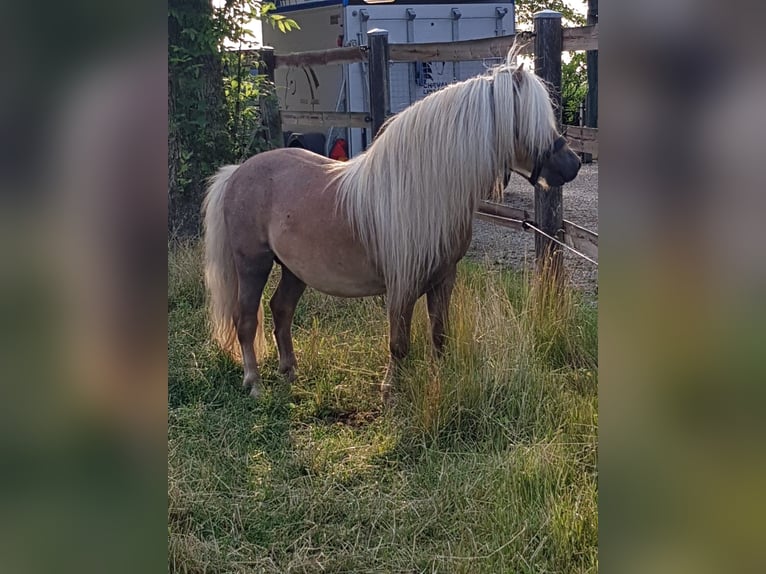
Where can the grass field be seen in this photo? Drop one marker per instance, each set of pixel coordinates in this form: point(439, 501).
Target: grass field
point(486, 464)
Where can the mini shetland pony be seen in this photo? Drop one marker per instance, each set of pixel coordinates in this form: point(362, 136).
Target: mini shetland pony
point(394, 220)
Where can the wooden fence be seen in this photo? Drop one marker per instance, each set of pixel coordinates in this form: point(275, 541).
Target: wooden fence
point(546, 43)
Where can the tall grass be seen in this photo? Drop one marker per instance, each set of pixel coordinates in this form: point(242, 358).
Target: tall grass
point(486, 464)
point(513, 341)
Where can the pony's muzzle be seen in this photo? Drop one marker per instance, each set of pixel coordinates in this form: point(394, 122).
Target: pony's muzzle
point(561, 167)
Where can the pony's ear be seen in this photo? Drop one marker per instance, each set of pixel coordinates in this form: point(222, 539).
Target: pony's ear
point(521, 67)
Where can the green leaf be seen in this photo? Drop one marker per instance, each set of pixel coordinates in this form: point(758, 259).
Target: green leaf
point(267, 7)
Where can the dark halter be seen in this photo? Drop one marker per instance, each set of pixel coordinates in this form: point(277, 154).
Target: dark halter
point(557, 145)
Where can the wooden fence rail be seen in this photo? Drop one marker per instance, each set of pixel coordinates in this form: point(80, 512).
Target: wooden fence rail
point(582, 139)
point(577, 237)
point(333, 56)
point(581, 38)
point(327, 119)
point(461, 51)
point(584, 240)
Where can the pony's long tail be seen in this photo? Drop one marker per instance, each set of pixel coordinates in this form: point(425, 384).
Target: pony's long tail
point(220, 273)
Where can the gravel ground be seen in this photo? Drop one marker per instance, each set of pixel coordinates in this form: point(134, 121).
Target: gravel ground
point(516, 249)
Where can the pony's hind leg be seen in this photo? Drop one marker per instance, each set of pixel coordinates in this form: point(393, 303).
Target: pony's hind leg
point(438, 298)
point(252, 279)
point(283, 303)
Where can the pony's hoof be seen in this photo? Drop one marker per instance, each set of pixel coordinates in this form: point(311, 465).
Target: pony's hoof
point(289, 374)
point(255, 391)
point(251, 382)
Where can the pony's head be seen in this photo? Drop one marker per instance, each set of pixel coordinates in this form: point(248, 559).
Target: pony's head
point(527, 138)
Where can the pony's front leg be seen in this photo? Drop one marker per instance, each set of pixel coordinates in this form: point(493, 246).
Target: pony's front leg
point(438, 298)
point(399, 324)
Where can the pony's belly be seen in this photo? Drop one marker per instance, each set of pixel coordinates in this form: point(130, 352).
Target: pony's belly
point(339, 286)
point(327, 259)
point(338, 278)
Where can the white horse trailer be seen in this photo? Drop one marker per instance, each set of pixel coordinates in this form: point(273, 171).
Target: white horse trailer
point(329, 24)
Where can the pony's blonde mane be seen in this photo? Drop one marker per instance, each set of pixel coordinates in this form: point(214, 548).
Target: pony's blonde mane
point(411, 196)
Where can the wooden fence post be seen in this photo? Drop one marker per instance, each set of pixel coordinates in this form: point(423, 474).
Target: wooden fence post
point(380, 95)
point(271, 120)
point(549, 211)
point(591, 58)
